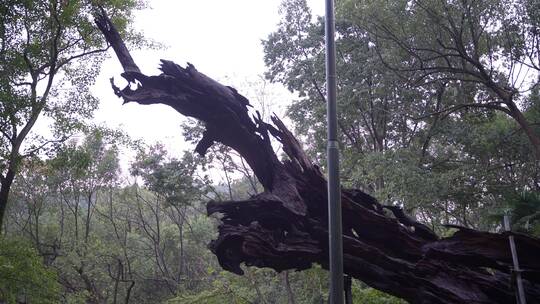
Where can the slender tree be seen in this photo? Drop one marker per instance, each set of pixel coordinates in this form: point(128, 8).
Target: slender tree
point(50, 54)
point(488, 45)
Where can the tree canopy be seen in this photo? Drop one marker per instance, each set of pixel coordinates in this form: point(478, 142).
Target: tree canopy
point(50, 54)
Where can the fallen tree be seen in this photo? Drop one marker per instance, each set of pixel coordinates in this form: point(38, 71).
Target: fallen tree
point(285, 226)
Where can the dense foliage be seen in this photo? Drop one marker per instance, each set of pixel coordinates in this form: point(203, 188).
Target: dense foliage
point(50, 54)
point(24, 277)
point(439, 113)
point(417, 128)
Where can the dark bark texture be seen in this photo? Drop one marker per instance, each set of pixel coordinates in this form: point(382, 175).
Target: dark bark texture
point(285, 226)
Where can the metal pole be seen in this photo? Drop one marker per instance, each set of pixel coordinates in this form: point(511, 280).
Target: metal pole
point(334, 192)
point(348, 289)
point(516, 270)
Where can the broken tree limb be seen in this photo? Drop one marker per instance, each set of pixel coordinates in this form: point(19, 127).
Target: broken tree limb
point(286, 226)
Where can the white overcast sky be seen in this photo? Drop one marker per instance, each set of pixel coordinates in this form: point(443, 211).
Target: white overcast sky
point(221, 38)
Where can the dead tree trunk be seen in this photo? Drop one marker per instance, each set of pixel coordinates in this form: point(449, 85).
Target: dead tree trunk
point(285, 227)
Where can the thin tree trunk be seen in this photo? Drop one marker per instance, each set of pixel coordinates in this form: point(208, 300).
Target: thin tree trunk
point(348, 289)
point(181, 249)
point(526, 126)
point(88, 216)
point(117, 281)
point(290, 294)
point(5, 187)
point(128, 292)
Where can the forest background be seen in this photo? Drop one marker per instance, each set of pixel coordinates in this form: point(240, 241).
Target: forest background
point(439, 113)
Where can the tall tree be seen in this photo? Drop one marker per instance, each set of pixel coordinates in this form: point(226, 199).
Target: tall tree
point(42, 73)
point(375, 106)
point(489, 46)
point(175, 191)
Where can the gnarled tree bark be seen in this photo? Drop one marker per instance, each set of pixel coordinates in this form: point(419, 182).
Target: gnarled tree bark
point(285, 227)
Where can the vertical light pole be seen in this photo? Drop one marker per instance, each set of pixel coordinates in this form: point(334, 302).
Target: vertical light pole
point(517, 272)
point(334, 191)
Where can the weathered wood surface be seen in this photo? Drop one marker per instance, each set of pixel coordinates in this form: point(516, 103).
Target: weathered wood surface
point(285, 226)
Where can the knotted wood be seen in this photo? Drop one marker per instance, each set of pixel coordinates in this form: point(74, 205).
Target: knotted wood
point(286, 226)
